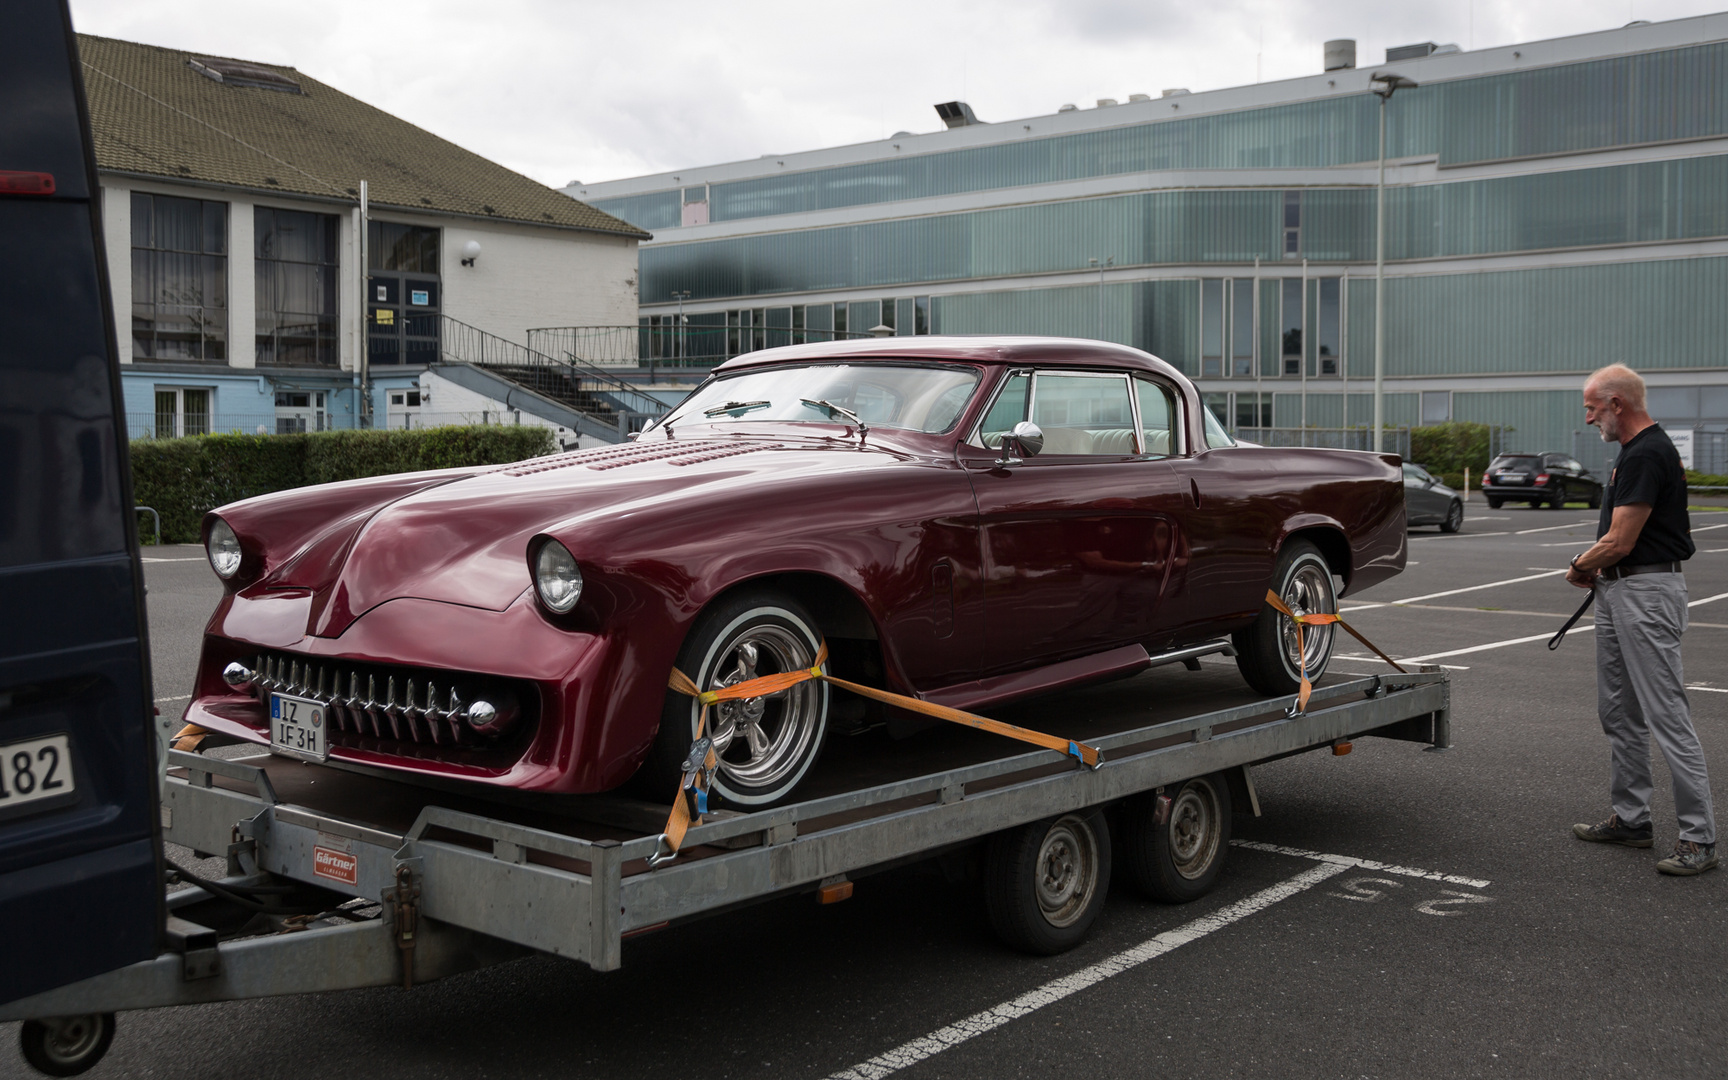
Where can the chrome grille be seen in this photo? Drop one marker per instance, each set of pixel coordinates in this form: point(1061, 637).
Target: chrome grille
point(367, 708)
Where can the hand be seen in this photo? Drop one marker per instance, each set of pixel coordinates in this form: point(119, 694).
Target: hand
point(1583, 579)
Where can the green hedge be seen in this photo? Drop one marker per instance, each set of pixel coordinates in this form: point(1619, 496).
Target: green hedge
point(185, 478)
point(1451, 448)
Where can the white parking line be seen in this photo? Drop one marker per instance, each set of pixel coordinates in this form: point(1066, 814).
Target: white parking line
point(1456, 536)
point(148, 559)
point(946, 1038)
point(1366, 864)
point(1580, 629)
point(1453, 592)
point(176, 697)
point(1552, 528)
point(1711, 689)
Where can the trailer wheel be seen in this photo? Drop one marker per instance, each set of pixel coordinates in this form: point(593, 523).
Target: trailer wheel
point(1044, 883)
point(66, 1045)
point(1179, 860)
point(1266, 651)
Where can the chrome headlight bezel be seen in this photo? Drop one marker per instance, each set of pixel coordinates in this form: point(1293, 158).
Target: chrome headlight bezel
point(557, 577)
point(222, 548)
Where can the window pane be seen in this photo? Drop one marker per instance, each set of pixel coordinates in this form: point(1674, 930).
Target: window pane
point(1008, 409)
point(1291, 333)
point(1084, 415)
point(196, 409)
point(1242, 327)
point(1211, 326)
point(167, 406)
point(1157, 407)
point(1329, 333)
point(922, 316)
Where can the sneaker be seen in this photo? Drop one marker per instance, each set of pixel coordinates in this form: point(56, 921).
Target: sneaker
point(1689, 858)
point(1612, 832)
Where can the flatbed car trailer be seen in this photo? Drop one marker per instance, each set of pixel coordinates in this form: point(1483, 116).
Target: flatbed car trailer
point(444, 889)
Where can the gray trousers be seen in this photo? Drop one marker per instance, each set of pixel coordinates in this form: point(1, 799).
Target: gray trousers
point(1640, 692)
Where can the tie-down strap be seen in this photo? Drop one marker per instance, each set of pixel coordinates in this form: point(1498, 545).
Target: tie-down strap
point(699, 774)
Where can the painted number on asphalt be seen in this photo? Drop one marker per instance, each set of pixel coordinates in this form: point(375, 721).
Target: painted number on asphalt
point(1372, 890)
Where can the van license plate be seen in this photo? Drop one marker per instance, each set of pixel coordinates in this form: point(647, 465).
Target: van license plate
point(35, 769)
point(297, 728)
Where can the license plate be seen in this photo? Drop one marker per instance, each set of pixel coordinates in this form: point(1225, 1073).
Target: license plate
point(35, 769)
point(297, 728)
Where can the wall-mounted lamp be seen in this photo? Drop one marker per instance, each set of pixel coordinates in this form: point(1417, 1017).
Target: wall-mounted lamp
point(470, 252)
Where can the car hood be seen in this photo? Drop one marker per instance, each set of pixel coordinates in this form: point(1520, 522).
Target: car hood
point(466, 541)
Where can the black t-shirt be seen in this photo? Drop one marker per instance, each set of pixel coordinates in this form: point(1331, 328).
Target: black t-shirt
point(1648, 470)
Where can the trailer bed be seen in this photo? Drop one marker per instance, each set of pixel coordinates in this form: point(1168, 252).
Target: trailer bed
point(462, 878)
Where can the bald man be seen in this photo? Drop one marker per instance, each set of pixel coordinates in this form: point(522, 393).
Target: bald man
point(1643, 537)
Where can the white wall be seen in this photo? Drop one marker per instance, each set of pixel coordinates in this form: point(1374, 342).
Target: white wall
point(242, 286)
point(527, 278)
point(117, 238)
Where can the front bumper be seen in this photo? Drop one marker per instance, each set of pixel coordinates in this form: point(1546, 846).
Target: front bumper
point(394, 679)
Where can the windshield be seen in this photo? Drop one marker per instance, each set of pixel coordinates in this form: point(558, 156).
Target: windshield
point(1515, 461)
point(908, 396)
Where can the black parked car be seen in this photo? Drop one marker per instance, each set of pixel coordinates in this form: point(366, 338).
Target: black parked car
point(1551, 480)
point(1429, 502)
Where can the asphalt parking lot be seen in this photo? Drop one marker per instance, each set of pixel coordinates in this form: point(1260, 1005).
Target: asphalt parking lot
point(1394, 913)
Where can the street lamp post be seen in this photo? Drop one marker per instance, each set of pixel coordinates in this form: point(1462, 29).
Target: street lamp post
point(1111, 261)
point(1383, 84)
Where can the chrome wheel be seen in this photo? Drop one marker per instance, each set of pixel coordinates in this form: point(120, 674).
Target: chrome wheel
point(1194, 821)
point(1067, 870)
point(764, 740)
point(1308, 591)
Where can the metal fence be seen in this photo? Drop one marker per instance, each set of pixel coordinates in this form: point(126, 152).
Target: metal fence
point(150, 425)
point(1710, 452)
point(1393, 440)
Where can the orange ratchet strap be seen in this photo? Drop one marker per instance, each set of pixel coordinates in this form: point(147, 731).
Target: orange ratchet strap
point(1317, 618)
point(699, 766)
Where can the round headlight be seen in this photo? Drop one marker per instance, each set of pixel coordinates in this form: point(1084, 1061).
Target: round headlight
point(223, 548)
point(556, 577)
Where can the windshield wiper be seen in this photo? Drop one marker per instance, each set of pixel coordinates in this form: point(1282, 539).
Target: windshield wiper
point(834, 410)
point(736, 408)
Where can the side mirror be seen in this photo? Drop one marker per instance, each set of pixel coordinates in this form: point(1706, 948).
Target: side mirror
point(1025, 441)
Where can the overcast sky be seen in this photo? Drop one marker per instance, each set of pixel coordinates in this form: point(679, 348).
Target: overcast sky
point(568, 90)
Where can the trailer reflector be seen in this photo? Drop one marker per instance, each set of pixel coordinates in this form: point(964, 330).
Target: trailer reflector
point(832, 891)
point(1340, 748)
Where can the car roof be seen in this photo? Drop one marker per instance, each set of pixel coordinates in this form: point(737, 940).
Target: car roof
point(981, 349)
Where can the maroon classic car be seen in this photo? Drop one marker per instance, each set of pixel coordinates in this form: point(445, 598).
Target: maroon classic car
point(966, 520)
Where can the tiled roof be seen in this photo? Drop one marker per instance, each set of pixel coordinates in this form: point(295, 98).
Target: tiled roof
point(152, 113)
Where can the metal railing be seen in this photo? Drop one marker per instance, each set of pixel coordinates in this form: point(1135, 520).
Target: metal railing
point(470, 345)
point(669, 345)
point(1393, 440)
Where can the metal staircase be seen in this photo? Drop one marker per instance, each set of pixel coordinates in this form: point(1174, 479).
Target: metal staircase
point(605, 405)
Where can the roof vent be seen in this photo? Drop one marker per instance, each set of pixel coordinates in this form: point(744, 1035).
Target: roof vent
point(1442, 50)
point(957, 114)
point(1070, 107)
point(1132, 98)
point(240, 73)
point(1409, 52)
point(1177, 91)
point(1340, 54)
point(1107, 102)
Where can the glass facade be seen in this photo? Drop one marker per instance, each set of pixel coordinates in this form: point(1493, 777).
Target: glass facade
point(1618, 204)
point(1629, 100)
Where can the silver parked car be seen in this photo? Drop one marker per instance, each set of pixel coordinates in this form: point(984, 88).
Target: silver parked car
point(1429, 502)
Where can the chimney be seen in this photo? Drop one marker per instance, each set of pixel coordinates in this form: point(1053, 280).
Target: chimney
point(1340, 54)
